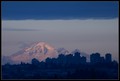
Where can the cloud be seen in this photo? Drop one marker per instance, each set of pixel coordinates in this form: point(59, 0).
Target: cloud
point(15, 29)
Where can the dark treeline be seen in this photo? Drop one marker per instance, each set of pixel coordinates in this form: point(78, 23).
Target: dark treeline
point(64, 67)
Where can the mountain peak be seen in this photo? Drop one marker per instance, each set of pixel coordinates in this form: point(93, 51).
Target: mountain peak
point(45, 45)
point(41, 43)
point(39, 46)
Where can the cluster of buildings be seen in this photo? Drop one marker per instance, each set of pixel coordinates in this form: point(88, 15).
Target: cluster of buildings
point(96, 58)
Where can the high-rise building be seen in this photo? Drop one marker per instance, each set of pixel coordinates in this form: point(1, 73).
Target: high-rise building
point(95, 58)
point(108, 57)
point(77, 58)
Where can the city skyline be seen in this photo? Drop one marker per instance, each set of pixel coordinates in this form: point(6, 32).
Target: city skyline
point(71, 66)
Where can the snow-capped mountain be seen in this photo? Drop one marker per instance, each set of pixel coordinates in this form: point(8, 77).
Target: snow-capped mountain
point(38, 50)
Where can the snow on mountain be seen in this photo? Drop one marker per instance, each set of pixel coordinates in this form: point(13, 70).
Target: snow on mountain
point(39, 50)
point(40, 47)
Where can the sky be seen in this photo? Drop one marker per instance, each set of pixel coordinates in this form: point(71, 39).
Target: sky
point(86, 25)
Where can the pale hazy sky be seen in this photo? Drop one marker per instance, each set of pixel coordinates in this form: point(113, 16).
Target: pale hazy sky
point(87, 25)
point(89, 36)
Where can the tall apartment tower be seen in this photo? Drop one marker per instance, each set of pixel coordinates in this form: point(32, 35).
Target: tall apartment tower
point(108, 57)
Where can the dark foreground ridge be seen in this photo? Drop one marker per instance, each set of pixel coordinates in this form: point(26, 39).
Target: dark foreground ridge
point(64, 67)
